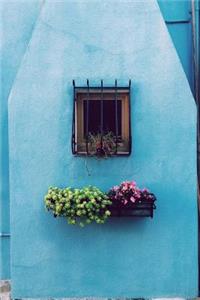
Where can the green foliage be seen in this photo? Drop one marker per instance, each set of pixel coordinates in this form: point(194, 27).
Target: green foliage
point(102, 145)
point(79, 206)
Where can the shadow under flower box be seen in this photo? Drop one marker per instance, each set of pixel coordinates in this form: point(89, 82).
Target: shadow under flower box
point(139, 209)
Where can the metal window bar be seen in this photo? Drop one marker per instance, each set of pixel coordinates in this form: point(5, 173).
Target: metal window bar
point(87, 115)
point(129, 109)
point(73, 143)
point(101, 114)
point(116, 118)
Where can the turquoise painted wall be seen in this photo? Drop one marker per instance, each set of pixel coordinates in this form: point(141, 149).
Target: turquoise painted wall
point(126, 257)
point(178, 17)
point(17, 22)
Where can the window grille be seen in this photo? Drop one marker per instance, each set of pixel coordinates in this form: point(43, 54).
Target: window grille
point(101, 120)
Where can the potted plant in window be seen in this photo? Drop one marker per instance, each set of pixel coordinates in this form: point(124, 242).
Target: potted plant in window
point(102, 145)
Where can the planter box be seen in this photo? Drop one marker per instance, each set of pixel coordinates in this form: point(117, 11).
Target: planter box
point(139, 209)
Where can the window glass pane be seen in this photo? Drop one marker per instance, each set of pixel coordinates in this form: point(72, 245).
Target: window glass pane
point(94, 116)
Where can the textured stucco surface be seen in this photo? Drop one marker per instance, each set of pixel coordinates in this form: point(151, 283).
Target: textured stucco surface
point(177, 15)
point(17, 19)
point(125, 257)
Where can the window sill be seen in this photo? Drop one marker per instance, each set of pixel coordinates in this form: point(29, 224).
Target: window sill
point(119, 153)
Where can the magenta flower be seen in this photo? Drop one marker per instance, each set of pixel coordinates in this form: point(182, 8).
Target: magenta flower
point(115, 188)
point(132, 199)
point(125, 187)
point(128, 193)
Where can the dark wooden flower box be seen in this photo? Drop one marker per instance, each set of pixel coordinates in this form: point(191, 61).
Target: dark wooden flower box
point(142, 208)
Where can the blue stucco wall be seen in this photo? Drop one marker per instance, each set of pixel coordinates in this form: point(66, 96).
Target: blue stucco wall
point(178, 17)
point(16, 26)
point(132, 258)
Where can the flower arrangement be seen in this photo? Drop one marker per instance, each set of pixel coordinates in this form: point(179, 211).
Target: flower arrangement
point(90, 204)
point(102, 145)
point(127, 193)
point(79, 206)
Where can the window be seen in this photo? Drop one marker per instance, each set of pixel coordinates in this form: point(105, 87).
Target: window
point(101, 121)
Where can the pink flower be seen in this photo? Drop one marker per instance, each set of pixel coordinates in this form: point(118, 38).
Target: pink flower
point(132, 199)
point(132, 183)
point(115, 188)
point(137, 195)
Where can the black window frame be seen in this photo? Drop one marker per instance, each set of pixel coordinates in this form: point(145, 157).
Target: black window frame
point(101, 90)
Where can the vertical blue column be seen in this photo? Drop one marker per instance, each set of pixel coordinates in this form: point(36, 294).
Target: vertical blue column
point(178, 18)
point(17, 23)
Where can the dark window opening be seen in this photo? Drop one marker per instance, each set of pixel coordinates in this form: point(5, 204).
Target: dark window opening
point(109, 119)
